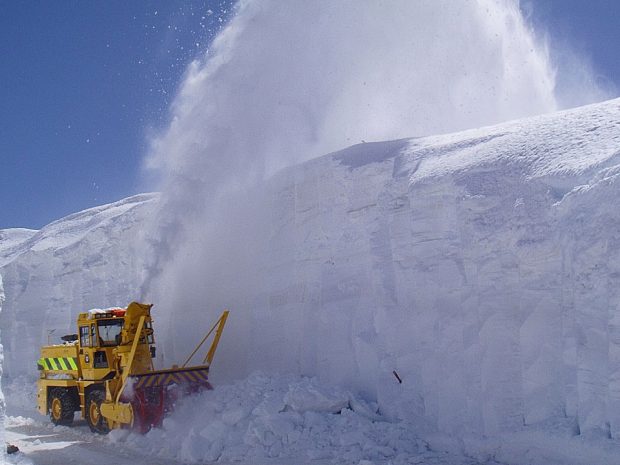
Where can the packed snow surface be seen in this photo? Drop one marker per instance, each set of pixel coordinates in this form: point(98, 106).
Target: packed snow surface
point(481, 267)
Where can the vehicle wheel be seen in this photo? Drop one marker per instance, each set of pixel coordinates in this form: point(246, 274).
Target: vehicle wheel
point(96, 421)
point(61, 406)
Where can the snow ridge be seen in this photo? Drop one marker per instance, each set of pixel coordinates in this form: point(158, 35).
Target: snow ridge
point(66, 231)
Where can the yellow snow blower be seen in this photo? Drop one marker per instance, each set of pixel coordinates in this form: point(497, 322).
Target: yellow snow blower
point(106, 372)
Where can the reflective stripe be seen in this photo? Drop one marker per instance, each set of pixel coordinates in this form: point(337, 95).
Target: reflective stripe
point(57, 364)
point(180, 377)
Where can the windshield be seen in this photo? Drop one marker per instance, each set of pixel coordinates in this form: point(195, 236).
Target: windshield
point(110, 331)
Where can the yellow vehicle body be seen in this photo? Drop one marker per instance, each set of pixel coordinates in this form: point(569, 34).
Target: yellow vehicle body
point(113, 349)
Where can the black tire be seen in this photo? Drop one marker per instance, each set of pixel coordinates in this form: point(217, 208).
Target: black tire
point(96, 421)
point(61, 406)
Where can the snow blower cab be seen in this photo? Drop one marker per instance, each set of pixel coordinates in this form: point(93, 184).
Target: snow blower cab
point(103, 338)
point(106, 372)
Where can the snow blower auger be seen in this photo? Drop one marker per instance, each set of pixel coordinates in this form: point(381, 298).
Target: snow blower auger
point(106, 372)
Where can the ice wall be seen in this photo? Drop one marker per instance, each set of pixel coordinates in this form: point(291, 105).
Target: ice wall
point(480, 266)
point(86, 260)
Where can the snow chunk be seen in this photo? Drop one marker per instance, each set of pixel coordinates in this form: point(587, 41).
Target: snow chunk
point(309, 396)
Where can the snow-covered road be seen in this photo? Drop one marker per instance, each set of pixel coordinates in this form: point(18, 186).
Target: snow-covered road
point(44, 444)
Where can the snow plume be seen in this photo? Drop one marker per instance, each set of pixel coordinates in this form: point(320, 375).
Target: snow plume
point(578, 80)
point(285, 82)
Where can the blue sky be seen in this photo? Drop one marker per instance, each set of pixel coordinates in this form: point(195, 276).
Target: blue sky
point(84, 82)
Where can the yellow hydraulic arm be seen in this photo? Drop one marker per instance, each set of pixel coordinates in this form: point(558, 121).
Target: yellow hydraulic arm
point(218, 327)
point(132, 353)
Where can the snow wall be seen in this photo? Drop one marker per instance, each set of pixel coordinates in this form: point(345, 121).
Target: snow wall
point(391, 257)
point(482, 267)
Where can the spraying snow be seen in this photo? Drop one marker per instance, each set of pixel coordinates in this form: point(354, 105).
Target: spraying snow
point(264, 98)
point(284, 83)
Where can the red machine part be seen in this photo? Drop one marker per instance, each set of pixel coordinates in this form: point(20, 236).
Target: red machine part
point(119, 311)
point(155, 394)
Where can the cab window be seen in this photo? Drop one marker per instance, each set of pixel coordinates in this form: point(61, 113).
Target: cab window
point(84, 336)
point(110, 331)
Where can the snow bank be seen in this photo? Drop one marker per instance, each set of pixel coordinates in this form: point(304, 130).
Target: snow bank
point(281, 417)
point(288, 419)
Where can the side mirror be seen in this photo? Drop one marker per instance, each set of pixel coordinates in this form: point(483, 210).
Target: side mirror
point(152, 351)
